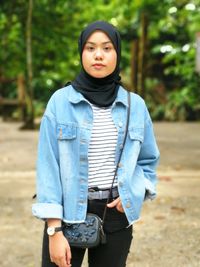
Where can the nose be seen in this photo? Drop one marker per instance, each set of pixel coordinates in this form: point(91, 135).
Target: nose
point(98, 53)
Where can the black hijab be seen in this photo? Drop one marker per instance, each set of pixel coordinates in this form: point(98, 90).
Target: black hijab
point(99, 91)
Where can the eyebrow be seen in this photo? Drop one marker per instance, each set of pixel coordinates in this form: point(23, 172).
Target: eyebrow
point(107, 42)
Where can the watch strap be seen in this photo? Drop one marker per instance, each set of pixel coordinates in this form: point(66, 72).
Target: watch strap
point(57, 229)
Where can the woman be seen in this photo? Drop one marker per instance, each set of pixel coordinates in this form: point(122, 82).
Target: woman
point(80, 137)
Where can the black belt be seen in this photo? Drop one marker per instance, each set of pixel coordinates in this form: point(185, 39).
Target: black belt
point(102, 194)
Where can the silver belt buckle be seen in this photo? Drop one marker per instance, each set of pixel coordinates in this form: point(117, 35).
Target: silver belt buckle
point(100, 194)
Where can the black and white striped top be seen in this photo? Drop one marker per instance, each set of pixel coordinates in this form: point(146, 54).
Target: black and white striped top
point(102, 147)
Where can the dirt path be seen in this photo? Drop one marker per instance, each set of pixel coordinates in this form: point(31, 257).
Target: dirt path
point(168, 233)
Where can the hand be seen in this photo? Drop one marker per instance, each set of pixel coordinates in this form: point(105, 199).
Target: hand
point(117, 204)
point(59, 249)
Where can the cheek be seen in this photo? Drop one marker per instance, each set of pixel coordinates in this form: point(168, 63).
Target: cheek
point(85, 59)
point(113, 61)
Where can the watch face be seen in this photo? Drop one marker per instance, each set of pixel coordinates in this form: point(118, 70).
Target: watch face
point(50, 230)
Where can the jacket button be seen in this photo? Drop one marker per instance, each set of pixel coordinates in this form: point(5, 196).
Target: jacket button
point(120, 165)
point(128, 204)
point(120, 124)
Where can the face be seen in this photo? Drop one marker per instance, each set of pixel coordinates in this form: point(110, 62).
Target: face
point(99, 57)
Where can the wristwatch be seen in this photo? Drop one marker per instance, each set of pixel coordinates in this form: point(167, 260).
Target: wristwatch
point(51, 230)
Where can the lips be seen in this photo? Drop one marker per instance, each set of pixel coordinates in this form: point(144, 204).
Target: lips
point(98, 65)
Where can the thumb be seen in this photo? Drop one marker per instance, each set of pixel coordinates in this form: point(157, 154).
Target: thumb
point(113, 203)
point(68, 255)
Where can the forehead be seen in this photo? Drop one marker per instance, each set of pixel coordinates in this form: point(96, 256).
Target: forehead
point(98, 36)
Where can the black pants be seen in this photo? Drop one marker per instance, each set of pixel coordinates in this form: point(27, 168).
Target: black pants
point(112, 254)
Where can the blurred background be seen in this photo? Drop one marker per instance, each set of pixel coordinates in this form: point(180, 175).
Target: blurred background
point(160, 62)
point(160, 52)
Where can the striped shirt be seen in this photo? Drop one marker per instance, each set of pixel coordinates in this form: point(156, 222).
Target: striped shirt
point(102, 147)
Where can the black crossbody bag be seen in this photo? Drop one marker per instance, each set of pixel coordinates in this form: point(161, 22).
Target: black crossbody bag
point(90, 233)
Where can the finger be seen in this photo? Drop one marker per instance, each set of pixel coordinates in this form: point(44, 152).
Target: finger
point(63, 263)
point(119, 207)
point(68, 255)
point(113, 203)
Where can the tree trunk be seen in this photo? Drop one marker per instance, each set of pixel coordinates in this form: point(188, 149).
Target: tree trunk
point(21, 88)
point(29, 123)
point(198, 53)
point(134, 65)
point(142, 54)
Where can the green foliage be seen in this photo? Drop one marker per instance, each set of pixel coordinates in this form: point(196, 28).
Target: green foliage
point(172, 43)
point(181, 105)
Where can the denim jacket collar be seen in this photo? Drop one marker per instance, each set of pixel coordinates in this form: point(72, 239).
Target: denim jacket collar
point(76, 97)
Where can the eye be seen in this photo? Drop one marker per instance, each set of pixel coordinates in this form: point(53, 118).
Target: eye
point(90, 48)
point(107, 48)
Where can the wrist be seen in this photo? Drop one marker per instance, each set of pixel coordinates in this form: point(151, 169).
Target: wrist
point(56, 235)
point(54, 223)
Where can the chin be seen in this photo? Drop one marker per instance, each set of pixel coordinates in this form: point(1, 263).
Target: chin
point(98, 75)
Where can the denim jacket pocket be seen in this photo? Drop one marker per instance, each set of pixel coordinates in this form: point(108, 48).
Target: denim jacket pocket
point(136, 134)
point(66, 131)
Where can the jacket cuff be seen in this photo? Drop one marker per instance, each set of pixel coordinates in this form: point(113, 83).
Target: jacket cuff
point(150, 192)
point(47, 211)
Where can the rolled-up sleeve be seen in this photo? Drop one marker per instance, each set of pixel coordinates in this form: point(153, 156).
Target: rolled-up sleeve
point(47, 210)
point(49, 188)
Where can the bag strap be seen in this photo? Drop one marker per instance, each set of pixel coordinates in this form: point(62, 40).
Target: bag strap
point(120, 155)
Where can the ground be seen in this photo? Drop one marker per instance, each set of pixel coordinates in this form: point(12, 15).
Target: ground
point(168, 233)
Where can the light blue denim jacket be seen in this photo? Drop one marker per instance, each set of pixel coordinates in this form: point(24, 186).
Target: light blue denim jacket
point(62, 166)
